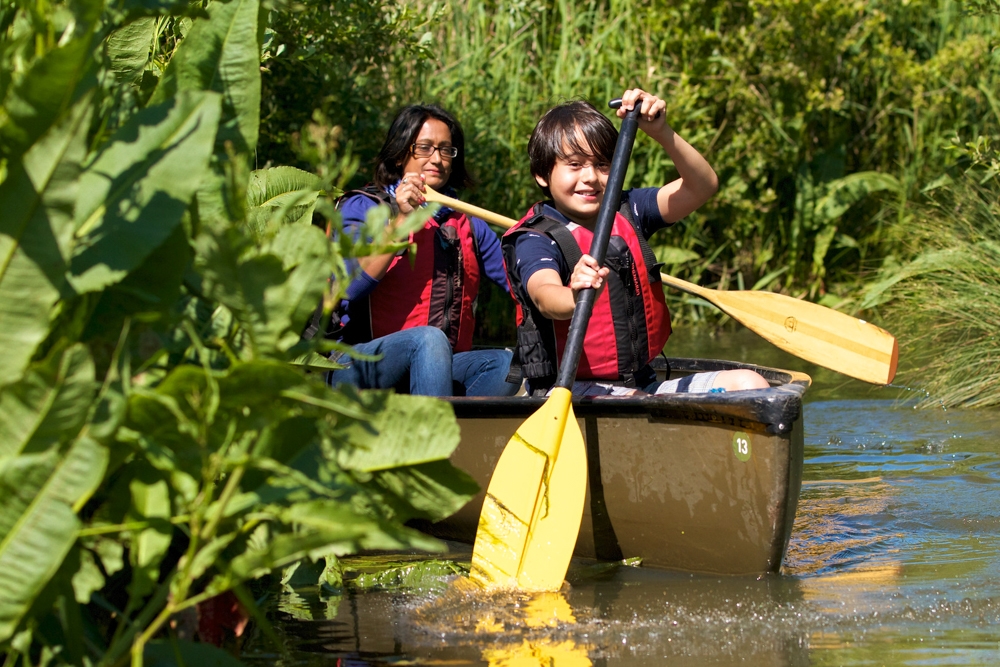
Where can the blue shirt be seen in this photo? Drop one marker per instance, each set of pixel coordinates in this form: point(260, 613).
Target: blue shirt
point(535, 251)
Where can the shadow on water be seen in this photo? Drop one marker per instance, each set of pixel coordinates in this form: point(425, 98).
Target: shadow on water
point(894, 560)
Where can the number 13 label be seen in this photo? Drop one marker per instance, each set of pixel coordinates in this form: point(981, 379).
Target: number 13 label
point(741, 445)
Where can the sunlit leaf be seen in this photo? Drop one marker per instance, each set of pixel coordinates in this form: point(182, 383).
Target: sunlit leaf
point(407, 430)
point(39, 494)
point(221, 54)
point(128, 49)
point(139, 186)
point(37, 201)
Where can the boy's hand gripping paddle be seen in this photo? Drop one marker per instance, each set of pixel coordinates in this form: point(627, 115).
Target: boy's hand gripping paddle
point(534, 503)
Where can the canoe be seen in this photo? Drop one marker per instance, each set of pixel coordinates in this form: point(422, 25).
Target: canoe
point(704, 483)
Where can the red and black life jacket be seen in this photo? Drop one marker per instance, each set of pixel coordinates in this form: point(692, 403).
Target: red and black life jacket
point(435, 285)
point(630, 323)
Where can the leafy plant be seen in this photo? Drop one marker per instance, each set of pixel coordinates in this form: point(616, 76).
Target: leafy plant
point(157, 447)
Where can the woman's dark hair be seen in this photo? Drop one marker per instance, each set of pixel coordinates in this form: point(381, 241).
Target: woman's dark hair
point(403, 132)
point(563, 126)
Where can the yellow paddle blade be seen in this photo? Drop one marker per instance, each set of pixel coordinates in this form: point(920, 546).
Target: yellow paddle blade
point(534, 503)
point(540, 653)
point(824, 336)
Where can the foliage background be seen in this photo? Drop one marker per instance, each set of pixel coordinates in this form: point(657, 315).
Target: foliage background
point(826, 120)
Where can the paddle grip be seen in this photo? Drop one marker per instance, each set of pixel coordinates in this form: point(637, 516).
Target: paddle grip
point(599, 246)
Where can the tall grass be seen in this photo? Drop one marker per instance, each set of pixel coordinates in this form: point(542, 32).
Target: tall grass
point(826, 120)
point(784, 97)
point(945, 302)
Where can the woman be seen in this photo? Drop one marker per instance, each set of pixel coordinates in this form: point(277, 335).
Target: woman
point(416, 309)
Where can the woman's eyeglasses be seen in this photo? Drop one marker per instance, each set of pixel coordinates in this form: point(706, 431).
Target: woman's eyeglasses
point(426, 150)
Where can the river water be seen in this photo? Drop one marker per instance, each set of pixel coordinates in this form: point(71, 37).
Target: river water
point(894, 560)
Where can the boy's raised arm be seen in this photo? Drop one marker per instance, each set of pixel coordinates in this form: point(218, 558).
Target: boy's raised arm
point(697, 181)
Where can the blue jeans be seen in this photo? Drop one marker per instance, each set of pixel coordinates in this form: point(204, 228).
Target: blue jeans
point(414, 361)
point(482, 373)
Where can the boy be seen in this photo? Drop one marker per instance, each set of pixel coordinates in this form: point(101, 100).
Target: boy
point(545, 255)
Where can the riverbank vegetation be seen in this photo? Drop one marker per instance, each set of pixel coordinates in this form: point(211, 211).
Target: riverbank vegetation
point(162, 440)
point(945, 299)
point(826, 120)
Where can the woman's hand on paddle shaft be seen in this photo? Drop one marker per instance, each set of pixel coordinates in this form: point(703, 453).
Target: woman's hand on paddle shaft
point(410, 193)
point(652, 115)
point(587, 274)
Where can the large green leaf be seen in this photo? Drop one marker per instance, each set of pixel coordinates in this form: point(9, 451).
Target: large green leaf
point(321, 527)
point(134, 194)
point(36, 229)
point(51, 400)
point(280, 195)
point(271, 291)
point(221, 54)
point(407, 430)
point(843, 193)
point(41, 95)
point(435, 490)
point(39, 497)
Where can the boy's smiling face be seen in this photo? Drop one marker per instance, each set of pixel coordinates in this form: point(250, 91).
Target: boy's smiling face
point(577, 183)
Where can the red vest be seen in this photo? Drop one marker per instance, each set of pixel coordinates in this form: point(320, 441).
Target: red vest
point(630, 323)
point(434, 282)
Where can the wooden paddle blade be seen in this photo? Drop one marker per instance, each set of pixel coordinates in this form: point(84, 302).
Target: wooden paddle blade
point(534, 504)
point(824, 336)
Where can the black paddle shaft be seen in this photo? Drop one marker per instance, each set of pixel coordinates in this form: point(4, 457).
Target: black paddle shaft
point(599, 246)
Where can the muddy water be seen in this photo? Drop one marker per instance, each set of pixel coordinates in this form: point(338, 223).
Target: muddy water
point(894, 560)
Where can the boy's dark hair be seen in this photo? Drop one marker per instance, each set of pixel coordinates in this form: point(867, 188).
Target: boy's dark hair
point(559, 127)
point(403, 132)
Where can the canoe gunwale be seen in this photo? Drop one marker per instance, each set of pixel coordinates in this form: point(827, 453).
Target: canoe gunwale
point(774, 410)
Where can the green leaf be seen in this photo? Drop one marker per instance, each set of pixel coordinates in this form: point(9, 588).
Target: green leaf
point(48, 405)
point(406, 430)
point(134, 194)
point(435, 490)
point(271, 302)
point(36, 229)
point(128, 50)
point(87, 579)
point(280, 195)
point(221, 54)
point(671, 255)
point(39, 98)
point(270, 187)
point(427, 575)
point(821, 245)
point(843, 193)
point(39, 495)
point(150, 502)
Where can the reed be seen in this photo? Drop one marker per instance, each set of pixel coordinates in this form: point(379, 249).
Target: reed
point(785, 98)
point(944, 303)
